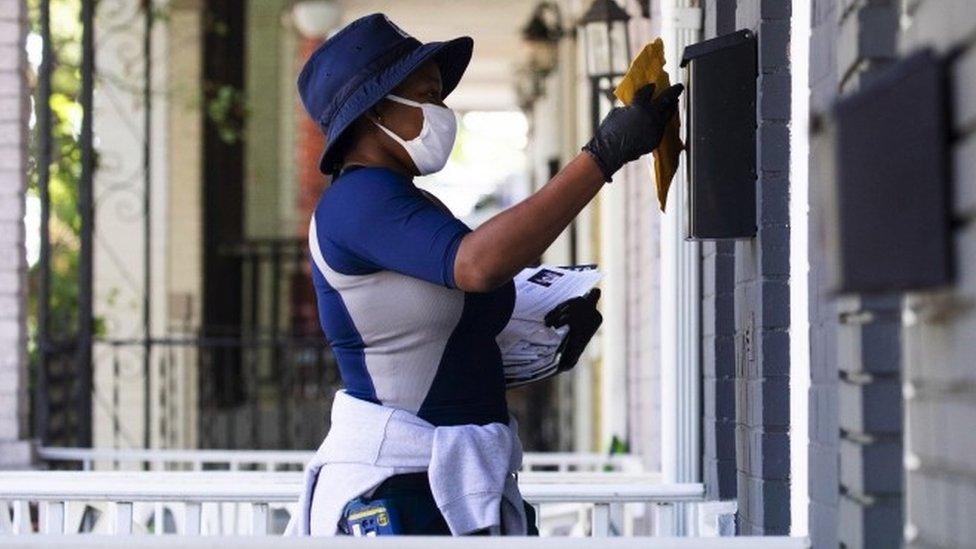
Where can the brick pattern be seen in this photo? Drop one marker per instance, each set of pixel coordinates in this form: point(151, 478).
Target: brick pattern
point(855, 411)
point(14, 101)
point(824, 444)
point(310, 143)
point(868, 336)
point(870, 423)
point(761, 292)
point(938, 344)
point(718, 370)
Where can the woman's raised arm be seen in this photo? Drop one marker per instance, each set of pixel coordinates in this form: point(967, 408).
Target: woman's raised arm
point(511, 240)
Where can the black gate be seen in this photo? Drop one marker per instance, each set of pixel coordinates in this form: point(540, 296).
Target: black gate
point(261, 374)
point(61, 357)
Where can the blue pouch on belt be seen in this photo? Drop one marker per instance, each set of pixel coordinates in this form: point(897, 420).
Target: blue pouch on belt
point(375, 518)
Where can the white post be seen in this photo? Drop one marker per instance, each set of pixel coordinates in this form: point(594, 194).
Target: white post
point(614, 341)
point(664, 523)
point(192, 513)
point(799, 267)
point(601, 520)
point(259, 519)
point(123, 518)
point(158, 518)
point(15, 450)
point(6, 526)
point(681, 298)
point(52, 517)
point(22, 519)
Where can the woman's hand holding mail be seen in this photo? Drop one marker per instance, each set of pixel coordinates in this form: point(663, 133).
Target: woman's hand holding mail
point(567, 328)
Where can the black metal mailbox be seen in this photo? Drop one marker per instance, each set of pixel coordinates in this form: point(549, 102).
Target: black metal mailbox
point(721, 98)
point(887, 224)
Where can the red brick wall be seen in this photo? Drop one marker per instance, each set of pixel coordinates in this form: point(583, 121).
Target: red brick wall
point(308, 147)
point(309, 144)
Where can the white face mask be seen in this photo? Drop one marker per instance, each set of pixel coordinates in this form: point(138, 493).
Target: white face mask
point(431, 148)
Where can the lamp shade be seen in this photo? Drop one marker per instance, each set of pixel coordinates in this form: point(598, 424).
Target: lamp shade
point(604, 27)
point(315, 18)
point(541, 35)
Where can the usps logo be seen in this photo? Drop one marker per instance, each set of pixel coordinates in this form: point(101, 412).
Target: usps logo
point(395, 27)
point(545, 277)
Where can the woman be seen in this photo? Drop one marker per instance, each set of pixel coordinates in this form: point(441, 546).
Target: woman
point(411, 299)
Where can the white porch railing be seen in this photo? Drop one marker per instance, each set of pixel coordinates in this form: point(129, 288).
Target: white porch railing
point(553, 518)
point(284, 460)
point(411, 542)
point(130, 498)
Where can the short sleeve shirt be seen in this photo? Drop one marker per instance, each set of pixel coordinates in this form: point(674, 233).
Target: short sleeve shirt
point(403, 335)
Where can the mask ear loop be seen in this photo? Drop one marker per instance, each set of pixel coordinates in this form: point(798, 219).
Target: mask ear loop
point(424, 128)
point(377, 121)
point(404, 101)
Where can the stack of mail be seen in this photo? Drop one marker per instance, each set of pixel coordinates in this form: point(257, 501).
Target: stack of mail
point(530, 349)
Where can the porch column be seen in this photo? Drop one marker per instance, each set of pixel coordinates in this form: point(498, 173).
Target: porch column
point(15, 449)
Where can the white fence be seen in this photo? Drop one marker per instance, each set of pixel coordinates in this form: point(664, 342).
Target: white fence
point(555, 518)
point(412, 542)
point(258, 503)
point(285, 460)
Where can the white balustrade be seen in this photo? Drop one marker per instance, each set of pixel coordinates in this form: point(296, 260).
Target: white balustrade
point(164, 459)
point(578, 461)
point(552, 518)
point(196, 498)
point(409, 542)
point(275, 460)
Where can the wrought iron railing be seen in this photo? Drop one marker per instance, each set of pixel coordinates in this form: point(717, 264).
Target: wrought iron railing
point(266, 381)
point(59, 394)
point(253, 392)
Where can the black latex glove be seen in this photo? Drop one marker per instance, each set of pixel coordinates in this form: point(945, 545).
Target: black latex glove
point(629, 132)
point(583, 319)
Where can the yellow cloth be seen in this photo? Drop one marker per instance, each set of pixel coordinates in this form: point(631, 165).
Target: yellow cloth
point(648, 68)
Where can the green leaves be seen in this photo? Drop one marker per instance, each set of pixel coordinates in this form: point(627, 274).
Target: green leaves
point(65, 167)
point(227, 108)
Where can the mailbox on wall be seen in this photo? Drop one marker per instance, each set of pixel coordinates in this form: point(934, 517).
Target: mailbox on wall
point(888, 222)
point(721, 99)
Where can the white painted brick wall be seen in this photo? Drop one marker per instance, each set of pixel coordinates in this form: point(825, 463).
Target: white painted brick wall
point(939, 346)
point(823, 421)
point(850, 40)
point(642, 257)
point(14, 452)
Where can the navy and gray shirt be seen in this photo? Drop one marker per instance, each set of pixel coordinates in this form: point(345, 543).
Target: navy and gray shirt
point(403, 335)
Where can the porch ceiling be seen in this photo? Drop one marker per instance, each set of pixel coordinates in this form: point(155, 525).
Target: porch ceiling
point(495, 26)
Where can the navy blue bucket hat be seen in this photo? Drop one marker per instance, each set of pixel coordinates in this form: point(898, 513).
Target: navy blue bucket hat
point(360, 65)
